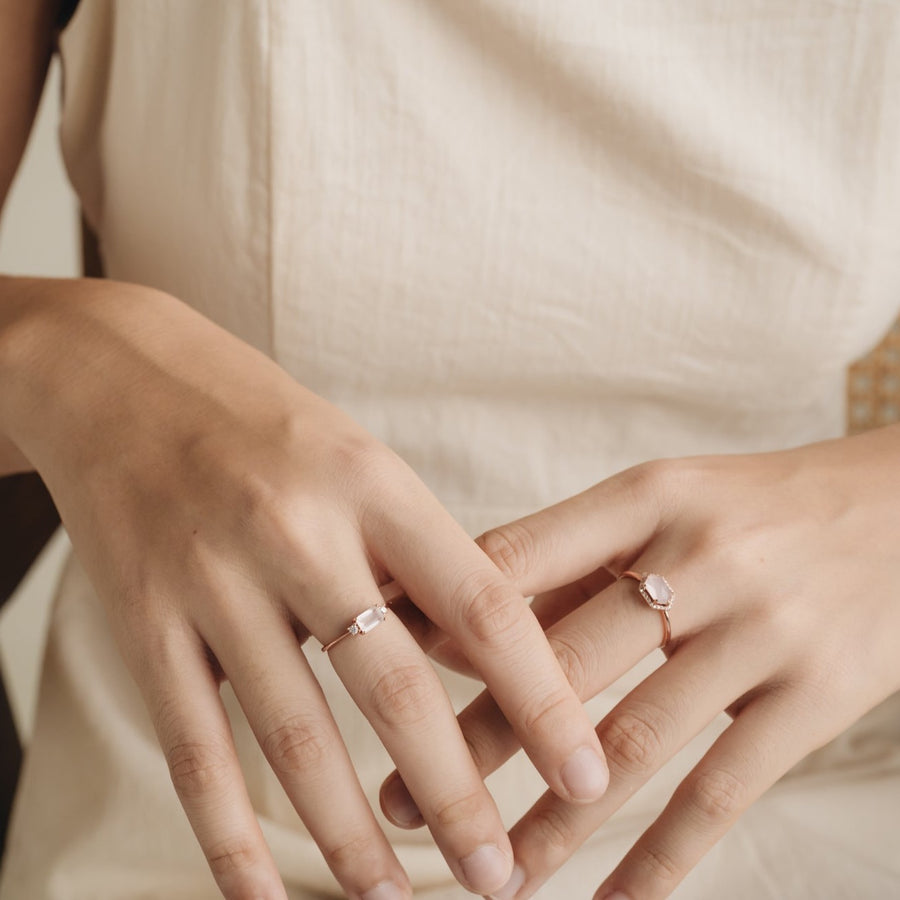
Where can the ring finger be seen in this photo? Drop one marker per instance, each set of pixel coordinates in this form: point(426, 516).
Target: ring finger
point(588, 645)
point(767, 737)
point(642, 733)
point(591, 648)
point(396, 687)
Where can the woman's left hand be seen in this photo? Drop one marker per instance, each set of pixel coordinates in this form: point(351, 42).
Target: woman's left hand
point(785, 568)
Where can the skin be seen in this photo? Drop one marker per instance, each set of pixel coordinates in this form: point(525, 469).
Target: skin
point(784, 567)
point(224, 514)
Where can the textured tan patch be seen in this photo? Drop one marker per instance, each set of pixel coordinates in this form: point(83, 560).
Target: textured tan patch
point(873, 386)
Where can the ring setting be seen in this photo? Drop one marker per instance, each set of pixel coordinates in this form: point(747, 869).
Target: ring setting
point(657, 594)
point(366, 621)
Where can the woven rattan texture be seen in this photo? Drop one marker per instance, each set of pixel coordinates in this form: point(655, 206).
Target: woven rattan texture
point(873, 386)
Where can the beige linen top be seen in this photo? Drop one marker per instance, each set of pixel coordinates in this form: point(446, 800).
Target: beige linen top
point(526, 243)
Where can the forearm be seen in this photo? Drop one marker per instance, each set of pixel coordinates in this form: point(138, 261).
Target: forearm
point(55, 337)
point(11, 459)
point(82, 361)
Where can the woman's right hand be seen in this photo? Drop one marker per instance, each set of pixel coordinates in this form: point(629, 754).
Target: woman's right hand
point(224, 514)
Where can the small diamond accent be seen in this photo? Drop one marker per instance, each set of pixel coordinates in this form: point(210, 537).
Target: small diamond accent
point(657, 591)
point(354, 628)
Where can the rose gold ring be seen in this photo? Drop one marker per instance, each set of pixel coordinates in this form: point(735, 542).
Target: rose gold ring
point(366, 621)
point(658, 595)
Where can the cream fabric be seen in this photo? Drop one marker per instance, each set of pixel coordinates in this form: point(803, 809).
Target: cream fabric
point(527, 243)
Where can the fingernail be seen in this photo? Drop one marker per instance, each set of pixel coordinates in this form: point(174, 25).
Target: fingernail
point(486, 869)
point(585, 775)
point(399, 805)
point(616, 895)
point(385, 890)
point(511, 888)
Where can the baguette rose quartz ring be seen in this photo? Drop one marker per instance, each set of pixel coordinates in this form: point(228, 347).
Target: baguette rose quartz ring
point(364, 623)
point(370, 618)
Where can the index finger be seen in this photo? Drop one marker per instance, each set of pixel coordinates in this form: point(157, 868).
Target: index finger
point(452, 580)
point(606, 526)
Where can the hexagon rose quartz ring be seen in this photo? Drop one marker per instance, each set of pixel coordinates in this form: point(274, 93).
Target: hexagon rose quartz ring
point(658, 595)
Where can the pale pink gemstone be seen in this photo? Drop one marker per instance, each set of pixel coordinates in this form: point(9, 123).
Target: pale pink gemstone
point(658, 590)
point(371, 618)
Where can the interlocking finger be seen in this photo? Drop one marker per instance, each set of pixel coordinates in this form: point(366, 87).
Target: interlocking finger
point(594, 644)
point(459, 588)
point(551, 606)
point(592, 652)
point(610, 522)
point(548, 607)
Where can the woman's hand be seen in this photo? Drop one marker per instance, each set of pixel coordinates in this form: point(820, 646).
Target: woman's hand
point(224, 514)
point(785, 568)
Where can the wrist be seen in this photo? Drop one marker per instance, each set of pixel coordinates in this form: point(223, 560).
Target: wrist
point(20, 352)
point(58, 343)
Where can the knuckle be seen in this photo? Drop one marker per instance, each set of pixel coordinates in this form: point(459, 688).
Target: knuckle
point(365, 464)
point(570, 661)
point(302, 530)
point(715, 796)
point(487, 734)
point(356, 853)
point(457, 810)
point(158, 652)
point(552, 710)
point(290, 521)
point(255, 497)
point(299, 744)
point(511, 548)
point(197, 767)
point(489, 610)
point(648, 476)
point(661, 481)
point(231, 857)
point(660, 865)
point(632, 742)
point(271, 515)
point(555, 830)
point(478, 746)
point(403, 696)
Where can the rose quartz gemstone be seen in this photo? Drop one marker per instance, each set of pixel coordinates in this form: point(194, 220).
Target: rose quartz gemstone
point(659, 591)
point(371, 618)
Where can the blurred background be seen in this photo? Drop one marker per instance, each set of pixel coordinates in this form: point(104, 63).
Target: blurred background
point(39, 235)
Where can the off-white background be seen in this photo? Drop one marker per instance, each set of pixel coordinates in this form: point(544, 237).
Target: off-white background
point(38, 236)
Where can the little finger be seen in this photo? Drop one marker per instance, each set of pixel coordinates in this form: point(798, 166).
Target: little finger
point(182, 696)
point(763, 742)
point(641, 734)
